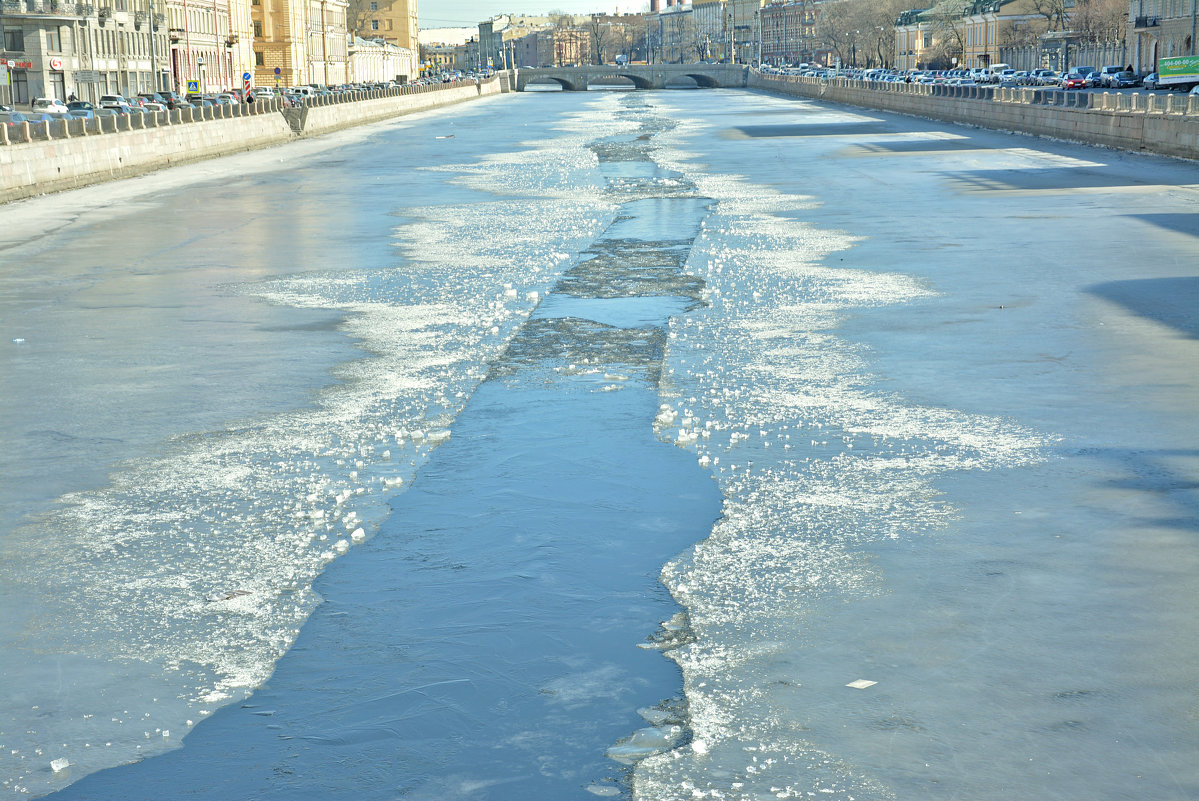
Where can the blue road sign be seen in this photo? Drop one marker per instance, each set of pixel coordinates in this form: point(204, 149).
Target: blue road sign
point(245, 76)
point(277, 70)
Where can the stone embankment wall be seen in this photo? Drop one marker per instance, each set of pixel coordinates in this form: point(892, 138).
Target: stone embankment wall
point(1164, 123)
point(77, 153)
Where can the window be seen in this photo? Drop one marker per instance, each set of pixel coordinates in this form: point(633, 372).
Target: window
point(374, 6)
point(260, 59)
point(374, 25)
point(14, 40)
point(20, 86)
point(54, 40)
point(258, 28)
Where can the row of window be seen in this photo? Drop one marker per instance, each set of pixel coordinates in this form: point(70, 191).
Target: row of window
point(107, 42)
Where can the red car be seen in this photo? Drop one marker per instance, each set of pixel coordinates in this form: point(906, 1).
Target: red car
point(1074, 81)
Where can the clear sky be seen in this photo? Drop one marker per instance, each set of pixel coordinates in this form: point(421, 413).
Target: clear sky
point(468, 13)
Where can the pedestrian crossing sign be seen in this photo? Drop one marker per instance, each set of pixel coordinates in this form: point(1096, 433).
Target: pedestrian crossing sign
point(193, 86)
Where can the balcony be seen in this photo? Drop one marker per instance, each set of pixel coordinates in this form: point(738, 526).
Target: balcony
point(1146, 22)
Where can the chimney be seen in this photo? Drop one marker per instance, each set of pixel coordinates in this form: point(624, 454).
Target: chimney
point(653, 6)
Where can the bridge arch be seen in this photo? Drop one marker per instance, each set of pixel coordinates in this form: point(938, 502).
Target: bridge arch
point(639, 81)
point(567, 84)
point(703, 80)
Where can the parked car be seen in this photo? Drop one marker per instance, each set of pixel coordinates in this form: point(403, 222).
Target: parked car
point(1195, 89)
point(1045, 77)
point(1074, 81)
point(82, 113)
point(12, 118)
point(1084, 71)
point(1124, 80)
point(173, 100)
point(1150, 81)
point(48, 104)
point(1108, 74)
point(152, 106)
point(80, 105)
point(114, 101)
point(226, 99)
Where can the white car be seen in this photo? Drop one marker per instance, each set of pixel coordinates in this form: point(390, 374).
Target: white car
point(49, 104)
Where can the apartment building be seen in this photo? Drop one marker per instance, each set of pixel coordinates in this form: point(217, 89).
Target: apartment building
point(59, 49)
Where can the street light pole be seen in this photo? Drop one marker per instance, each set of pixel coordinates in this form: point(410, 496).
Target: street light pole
point(153, 50)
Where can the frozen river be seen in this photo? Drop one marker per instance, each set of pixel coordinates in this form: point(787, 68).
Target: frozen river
point(653, 446)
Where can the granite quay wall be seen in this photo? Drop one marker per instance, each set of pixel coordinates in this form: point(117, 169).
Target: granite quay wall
point(1162, 123)
point(317, 117)
point(67, 154)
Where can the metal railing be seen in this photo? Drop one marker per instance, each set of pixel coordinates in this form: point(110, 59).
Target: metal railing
point(1111, 102)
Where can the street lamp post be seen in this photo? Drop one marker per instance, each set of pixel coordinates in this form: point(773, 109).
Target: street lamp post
point(153, 51)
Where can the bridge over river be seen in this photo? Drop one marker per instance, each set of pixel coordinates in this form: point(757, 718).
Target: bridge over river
point(652, 76)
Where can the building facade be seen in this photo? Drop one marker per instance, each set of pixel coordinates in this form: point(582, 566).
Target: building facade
point(210, 44)
point(677, 36)
point(298, 42)
point(1161, 29)
point(744, 20)
point(971, 40)
point(393, 21)
point(711, 20)
point(378, 61)
point(85, 50)
point(788, 32)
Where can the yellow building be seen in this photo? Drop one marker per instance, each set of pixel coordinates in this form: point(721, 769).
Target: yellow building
point(298, 42)
point(970, 40)
point(392, 21)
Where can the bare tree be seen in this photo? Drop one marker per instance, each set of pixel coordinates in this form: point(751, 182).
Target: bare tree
point(358, 15)
point(860, 30)
point(1055, 12)
point(601, 35)
point(1101, 20)
point(949, 30)
point(837, 29)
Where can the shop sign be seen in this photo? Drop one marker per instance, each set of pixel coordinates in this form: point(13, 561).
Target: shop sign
point(56, 63)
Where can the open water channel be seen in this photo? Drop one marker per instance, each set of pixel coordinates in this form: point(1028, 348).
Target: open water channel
point(655, 446)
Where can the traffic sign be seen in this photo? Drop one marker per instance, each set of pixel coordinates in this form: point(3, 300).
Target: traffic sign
point(193, 86)
point(245, 76)
point(245, 83)
point(277, 70)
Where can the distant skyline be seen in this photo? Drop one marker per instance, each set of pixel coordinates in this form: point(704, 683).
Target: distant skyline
point(469, 13)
